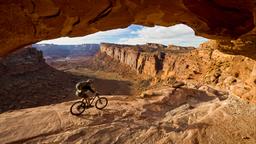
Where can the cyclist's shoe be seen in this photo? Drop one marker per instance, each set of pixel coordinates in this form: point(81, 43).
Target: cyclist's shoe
point(89, 106)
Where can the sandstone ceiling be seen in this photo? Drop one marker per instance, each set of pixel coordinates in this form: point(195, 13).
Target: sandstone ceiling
point(230, 22)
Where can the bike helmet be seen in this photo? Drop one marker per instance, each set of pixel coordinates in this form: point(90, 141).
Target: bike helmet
point(89, 81)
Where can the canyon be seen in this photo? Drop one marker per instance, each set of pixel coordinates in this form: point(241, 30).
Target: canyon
point(192, 95)
point(157, 94)
point(203, 65)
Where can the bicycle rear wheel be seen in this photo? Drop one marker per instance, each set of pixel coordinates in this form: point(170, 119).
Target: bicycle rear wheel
point(101, 103)
point(77, 108)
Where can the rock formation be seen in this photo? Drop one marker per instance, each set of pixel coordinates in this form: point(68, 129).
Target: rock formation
point(203, 65)
point(27, 81)
point(231, 23)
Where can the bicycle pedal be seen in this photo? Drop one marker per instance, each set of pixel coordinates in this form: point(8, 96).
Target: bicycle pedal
point(89, 106)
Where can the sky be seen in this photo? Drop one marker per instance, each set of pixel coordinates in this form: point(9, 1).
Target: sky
point(180, 35)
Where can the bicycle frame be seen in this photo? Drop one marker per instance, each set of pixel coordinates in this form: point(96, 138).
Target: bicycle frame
point(91, 100)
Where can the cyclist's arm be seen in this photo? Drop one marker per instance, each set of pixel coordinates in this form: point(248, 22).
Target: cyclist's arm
point(91, 89)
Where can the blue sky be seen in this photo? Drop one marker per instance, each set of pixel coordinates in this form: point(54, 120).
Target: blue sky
point(180, 34)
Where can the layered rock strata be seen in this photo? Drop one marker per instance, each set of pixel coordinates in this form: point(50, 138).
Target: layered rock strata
point(145, 59)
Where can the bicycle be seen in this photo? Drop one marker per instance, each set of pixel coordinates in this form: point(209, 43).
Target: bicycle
point(79, 107)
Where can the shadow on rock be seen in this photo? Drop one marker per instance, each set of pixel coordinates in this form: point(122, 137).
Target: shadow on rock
point(173, 98)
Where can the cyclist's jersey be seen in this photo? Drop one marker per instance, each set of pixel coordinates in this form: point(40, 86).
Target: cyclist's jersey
point(87, 87)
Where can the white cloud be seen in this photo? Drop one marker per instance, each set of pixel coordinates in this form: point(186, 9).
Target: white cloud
point(178, 35)
point(98, 37)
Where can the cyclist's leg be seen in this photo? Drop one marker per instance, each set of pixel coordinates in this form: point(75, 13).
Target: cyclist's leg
point(87, 100)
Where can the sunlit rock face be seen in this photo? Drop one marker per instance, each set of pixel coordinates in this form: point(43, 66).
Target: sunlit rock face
point(145, 59)
point(25, 22)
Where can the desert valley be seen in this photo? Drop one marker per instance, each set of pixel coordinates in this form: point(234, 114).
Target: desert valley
point(170, 94)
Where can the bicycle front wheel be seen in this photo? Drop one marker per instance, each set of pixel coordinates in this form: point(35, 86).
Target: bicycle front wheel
point(101, 103)
point(77, 108)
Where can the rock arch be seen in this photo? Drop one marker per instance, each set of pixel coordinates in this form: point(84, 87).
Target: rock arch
point(230, 23)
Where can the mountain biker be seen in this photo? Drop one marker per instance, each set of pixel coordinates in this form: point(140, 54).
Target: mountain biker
point(82, 89)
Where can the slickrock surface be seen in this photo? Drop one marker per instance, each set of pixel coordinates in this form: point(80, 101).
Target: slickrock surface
point(178, 116)
point(231, 23)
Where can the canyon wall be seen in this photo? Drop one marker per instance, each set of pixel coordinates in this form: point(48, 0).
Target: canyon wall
point(145, 59)
point(205, 64)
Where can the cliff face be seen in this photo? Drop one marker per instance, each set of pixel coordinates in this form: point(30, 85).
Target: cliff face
point(22, 61)
point(145, 59)
point(236, 74)
point(137, 57)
